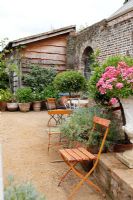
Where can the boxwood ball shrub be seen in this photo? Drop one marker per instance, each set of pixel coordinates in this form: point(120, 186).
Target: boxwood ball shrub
point(70, 81)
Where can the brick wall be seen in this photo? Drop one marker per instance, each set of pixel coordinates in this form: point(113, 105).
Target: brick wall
point(110, 37)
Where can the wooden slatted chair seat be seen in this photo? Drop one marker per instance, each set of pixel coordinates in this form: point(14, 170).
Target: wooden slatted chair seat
point(79, 154)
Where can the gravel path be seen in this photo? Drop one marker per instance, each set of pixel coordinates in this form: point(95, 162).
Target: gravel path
point(24, 140)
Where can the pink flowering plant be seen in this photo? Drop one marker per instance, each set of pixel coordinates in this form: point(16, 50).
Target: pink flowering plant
point(113, 80)
point(116, 82)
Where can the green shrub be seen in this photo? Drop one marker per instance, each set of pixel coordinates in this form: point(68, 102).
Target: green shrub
point(70, 81)
point(25, 191)
point(79, 125)
point(5, 95)
point(39, 78)
point(37, 96)
point(49, 92)
point(24, 95)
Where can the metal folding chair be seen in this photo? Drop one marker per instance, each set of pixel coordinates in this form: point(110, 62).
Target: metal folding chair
point(56, 119)
point(73, 156)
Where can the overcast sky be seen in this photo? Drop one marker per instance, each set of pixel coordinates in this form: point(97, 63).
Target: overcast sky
point(20, 18)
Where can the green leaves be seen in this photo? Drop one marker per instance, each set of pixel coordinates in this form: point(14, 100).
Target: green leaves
point(24, 95)
point(39, 78)
point(70, 81)
point(5, 95)
point(78, 127)
point(97, 74)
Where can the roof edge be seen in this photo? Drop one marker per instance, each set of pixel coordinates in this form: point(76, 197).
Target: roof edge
point(120, 14)
point(41, 36)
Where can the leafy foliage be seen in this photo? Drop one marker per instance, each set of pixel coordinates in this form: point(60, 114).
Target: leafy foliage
point(25, 191)
point(24, 95)
point(5, 95)
point(4, 80)
point(37, 96)
point(39, 78)
point(80, 123)
point(98, 71)
point(70, 81)
point(8, 65)
point(49, 92)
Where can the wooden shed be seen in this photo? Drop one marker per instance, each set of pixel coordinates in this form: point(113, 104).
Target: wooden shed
point(44, 50)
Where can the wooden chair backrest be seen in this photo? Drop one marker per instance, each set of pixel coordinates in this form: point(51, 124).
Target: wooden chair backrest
point(103, 123)
point(51, 103)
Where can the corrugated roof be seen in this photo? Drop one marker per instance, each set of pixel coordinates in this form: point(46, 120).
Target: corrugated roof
point(127, 7)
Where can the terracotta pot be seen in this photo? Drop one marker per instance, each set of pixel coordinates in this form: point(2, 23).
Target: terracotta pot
point(37, 105)
point(3, 105)
point(12, 106)
point(24, 107)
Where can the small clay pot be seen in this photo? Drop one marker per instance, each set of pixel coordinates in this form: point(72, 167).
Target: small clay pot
point(24, 107)
point(12, 106)
point(37, 105)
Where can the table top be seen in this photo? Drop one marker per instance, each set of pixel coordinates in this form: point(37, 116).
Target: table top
point(59, 112)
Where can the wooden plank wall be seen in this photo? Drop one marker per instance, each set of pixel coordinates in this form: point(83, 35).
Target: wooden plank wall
point(45, 53)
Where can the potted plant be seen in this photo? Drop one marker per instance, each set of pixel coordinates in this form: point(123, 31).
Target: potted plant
point(5, 95)
point(49, 92)
point(112, 82)
point(12, 105)
point(70, 81)
point(24, 98)
point(37, 97)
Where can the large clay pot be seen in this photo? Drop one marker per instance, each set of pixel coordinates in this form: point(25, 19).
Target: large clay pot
point(12, 106)
point(37, 105)
point(3, 105)
point(24, 107)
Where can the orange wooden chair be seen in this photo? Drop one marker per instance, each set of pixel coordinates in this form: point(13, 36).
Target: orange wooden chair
point(56, 119)
point(73, 156)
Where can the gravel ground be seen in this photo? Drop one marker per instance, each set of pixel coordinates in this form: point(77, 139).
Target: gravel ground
point(24, 140)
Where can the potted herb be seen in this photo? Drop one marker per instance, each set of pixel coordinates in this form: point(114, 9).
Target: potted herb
point(37, 97)
point(5, 95)
point(24, 98)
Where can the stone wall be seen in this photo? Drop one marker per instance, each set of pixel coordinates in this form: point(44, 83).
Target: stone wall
point(115, 179)
point(110, 37)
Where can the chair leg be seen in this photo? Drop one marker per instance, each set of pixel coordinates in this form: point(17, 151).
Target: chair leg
point(49, 141)
point(77, 187)
point(63, 177)
point(80, 175)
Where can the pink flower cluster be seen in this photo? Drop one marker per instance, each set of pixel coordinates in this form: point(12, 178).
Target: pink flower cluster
point(114, 78)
